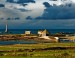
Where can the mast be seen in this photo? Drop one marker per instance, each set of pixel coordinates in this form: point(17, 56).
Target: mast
point(6, 29)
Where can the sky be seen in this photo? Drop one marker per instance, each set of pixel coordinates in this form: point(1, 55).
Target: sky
point(37, 14)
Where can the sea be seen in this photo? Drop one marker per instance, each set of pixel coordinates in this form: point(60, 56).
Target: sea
point(33, 31)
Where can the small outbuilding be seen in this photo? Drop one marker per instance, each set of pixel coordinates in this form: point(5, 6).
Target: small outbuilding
point(27, 32)
point(40, 33)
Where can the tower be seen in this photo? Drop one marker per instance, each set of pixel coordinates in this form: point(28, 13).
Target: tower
point(6, 29)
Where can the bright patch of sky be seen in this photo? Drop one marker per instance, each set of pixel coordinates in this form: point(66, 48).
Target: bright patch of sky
point(15, 0)
point(34, 7)
point(2, 1)
point(73, 1)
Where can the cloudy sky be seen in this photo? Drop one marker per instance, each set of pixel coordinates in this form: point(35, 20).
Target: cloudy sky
point(37, 14)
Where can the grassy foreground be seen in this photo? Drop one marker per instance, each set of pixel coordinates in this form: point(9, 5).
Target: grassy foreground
point(45, 50)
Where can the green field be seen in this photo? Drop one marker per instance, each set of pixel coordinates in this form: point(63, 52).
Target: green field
point(42, 50)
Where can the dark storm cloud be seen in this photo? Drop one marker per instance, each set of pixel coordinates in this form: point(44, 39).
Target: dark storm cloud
point(46, 4)
point(23, 10)
point(23, 4)
point(58, 12)
point(1, 5)
point(21, 1)
point(29, 17)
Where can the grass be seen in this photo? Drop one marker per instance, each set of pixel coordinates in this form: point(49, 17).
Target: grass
point(31, 46)
point(18, 51)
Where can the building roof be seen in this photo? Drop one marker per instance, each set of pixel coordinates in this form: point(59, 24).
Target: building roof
point(45, 31)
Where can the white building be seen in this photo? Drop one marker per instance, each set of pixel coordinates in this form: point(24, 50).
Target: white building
point(27, 32)
point(43, 33)
point(40, 33)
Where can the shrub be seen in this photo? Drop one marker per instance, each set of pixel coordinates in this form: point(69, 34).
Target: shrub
point(65, 54)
